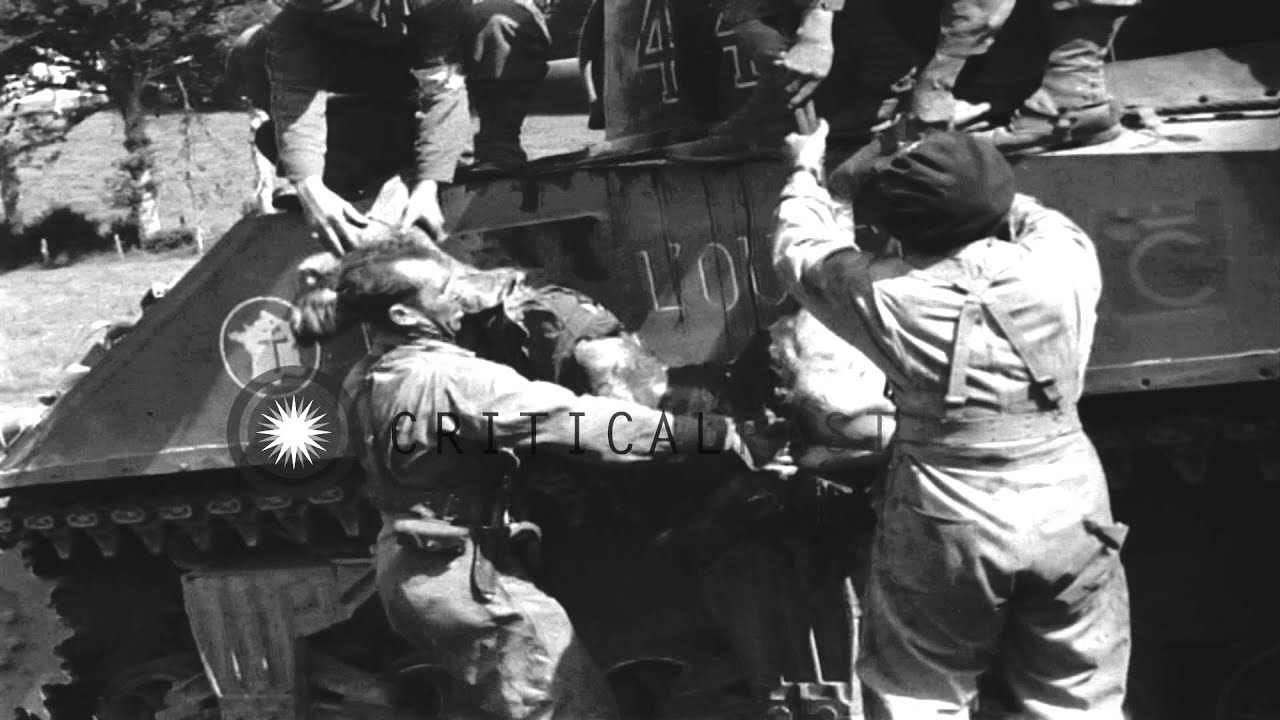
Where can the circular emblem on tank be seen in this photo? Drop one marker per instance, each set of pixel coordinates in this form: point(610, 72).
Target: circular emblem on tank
point(255, 341)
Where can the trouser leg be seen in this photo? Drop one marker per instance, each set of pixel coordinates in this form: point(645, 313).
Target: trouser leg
point(247, 67)
point(1067, 655)
point(879, 43)
point(1073, 105)
point(514, 656)
point(933, 612)
point(501, 106)
point(967, 29)
point(504, 70)
point(247, 74)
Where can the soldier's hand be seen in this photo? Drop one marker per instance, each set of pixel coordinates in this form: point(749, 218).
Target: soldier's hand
point(333, 221)
point(808, 150)
point(494, 43)
point(808, 61)
point(423, 210)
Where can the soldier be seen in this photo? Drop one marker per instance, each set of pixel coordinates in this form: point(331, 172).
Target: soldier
point(1072, 105)
point(995, 533)
point(442, 429)
point(356, 87)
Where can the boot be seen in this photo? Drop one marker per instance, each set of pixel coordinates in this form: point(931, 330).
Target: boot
point(1072, 108)
point(968, 28)
point(933, 102)
point(502, 106)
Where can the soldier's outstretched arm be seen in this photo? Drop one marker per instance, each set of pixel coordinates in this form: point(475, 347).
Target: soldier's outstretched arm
point(816, 259)
point(493, 406)
point(296, 74)
point(444, 126)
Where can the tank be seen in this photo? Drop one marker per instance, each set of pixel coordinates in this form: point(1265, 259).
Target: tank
point(188, 582)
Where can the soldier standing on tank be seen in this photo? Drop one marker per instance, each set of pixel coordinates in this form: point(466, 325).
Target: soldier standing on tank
point(441, 429)
point(355, 88)
point(995, 533)
point(1072, 105)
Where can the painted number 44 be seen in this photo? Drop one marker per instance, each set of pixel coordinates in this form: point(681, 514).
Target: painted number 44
point(657, 48)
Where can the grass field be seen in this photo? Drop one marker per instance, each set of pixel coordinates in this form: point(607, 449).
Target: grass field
point(45, 314)
point(77, 172)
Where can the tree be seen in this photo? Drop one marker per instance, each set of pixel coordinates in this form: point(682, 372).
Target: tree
point(37, 108)
point(133, 49)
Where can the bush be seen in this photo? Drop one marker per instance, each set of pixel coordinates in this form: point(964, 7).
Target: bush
point(15, 250)
point(68, 233)
point(170, 239)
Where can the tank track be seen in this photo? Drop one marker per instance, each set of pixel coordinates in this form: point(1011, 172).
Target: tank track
point(120, 607)
point(30, 633)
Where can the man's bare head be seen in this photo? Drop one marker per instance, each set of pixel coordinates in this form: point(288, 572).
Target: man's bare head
point(397, 285)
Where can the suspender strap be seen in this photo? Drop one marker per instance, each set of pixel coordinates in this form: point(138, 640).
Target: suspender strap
point(1031, 354)
point(957, 385)
point(1037, 364)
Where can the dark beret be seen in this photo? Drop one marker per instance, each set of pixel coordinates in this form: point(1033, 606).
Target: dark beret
point(946, 190)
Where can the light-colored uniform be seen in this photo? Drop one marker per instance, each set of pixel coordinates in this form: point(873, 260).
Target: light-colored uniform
point(995, 536)
point(470, 602)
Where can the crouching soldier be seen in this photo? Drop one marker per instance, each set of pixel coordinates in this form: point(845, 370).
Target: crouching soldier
point(441, 430)
point(995, 534)
point(355, 89)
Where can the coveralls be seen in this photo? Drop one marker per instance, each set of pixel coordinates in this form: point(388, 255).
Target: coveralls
point(995, 535)
point(468, 600)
